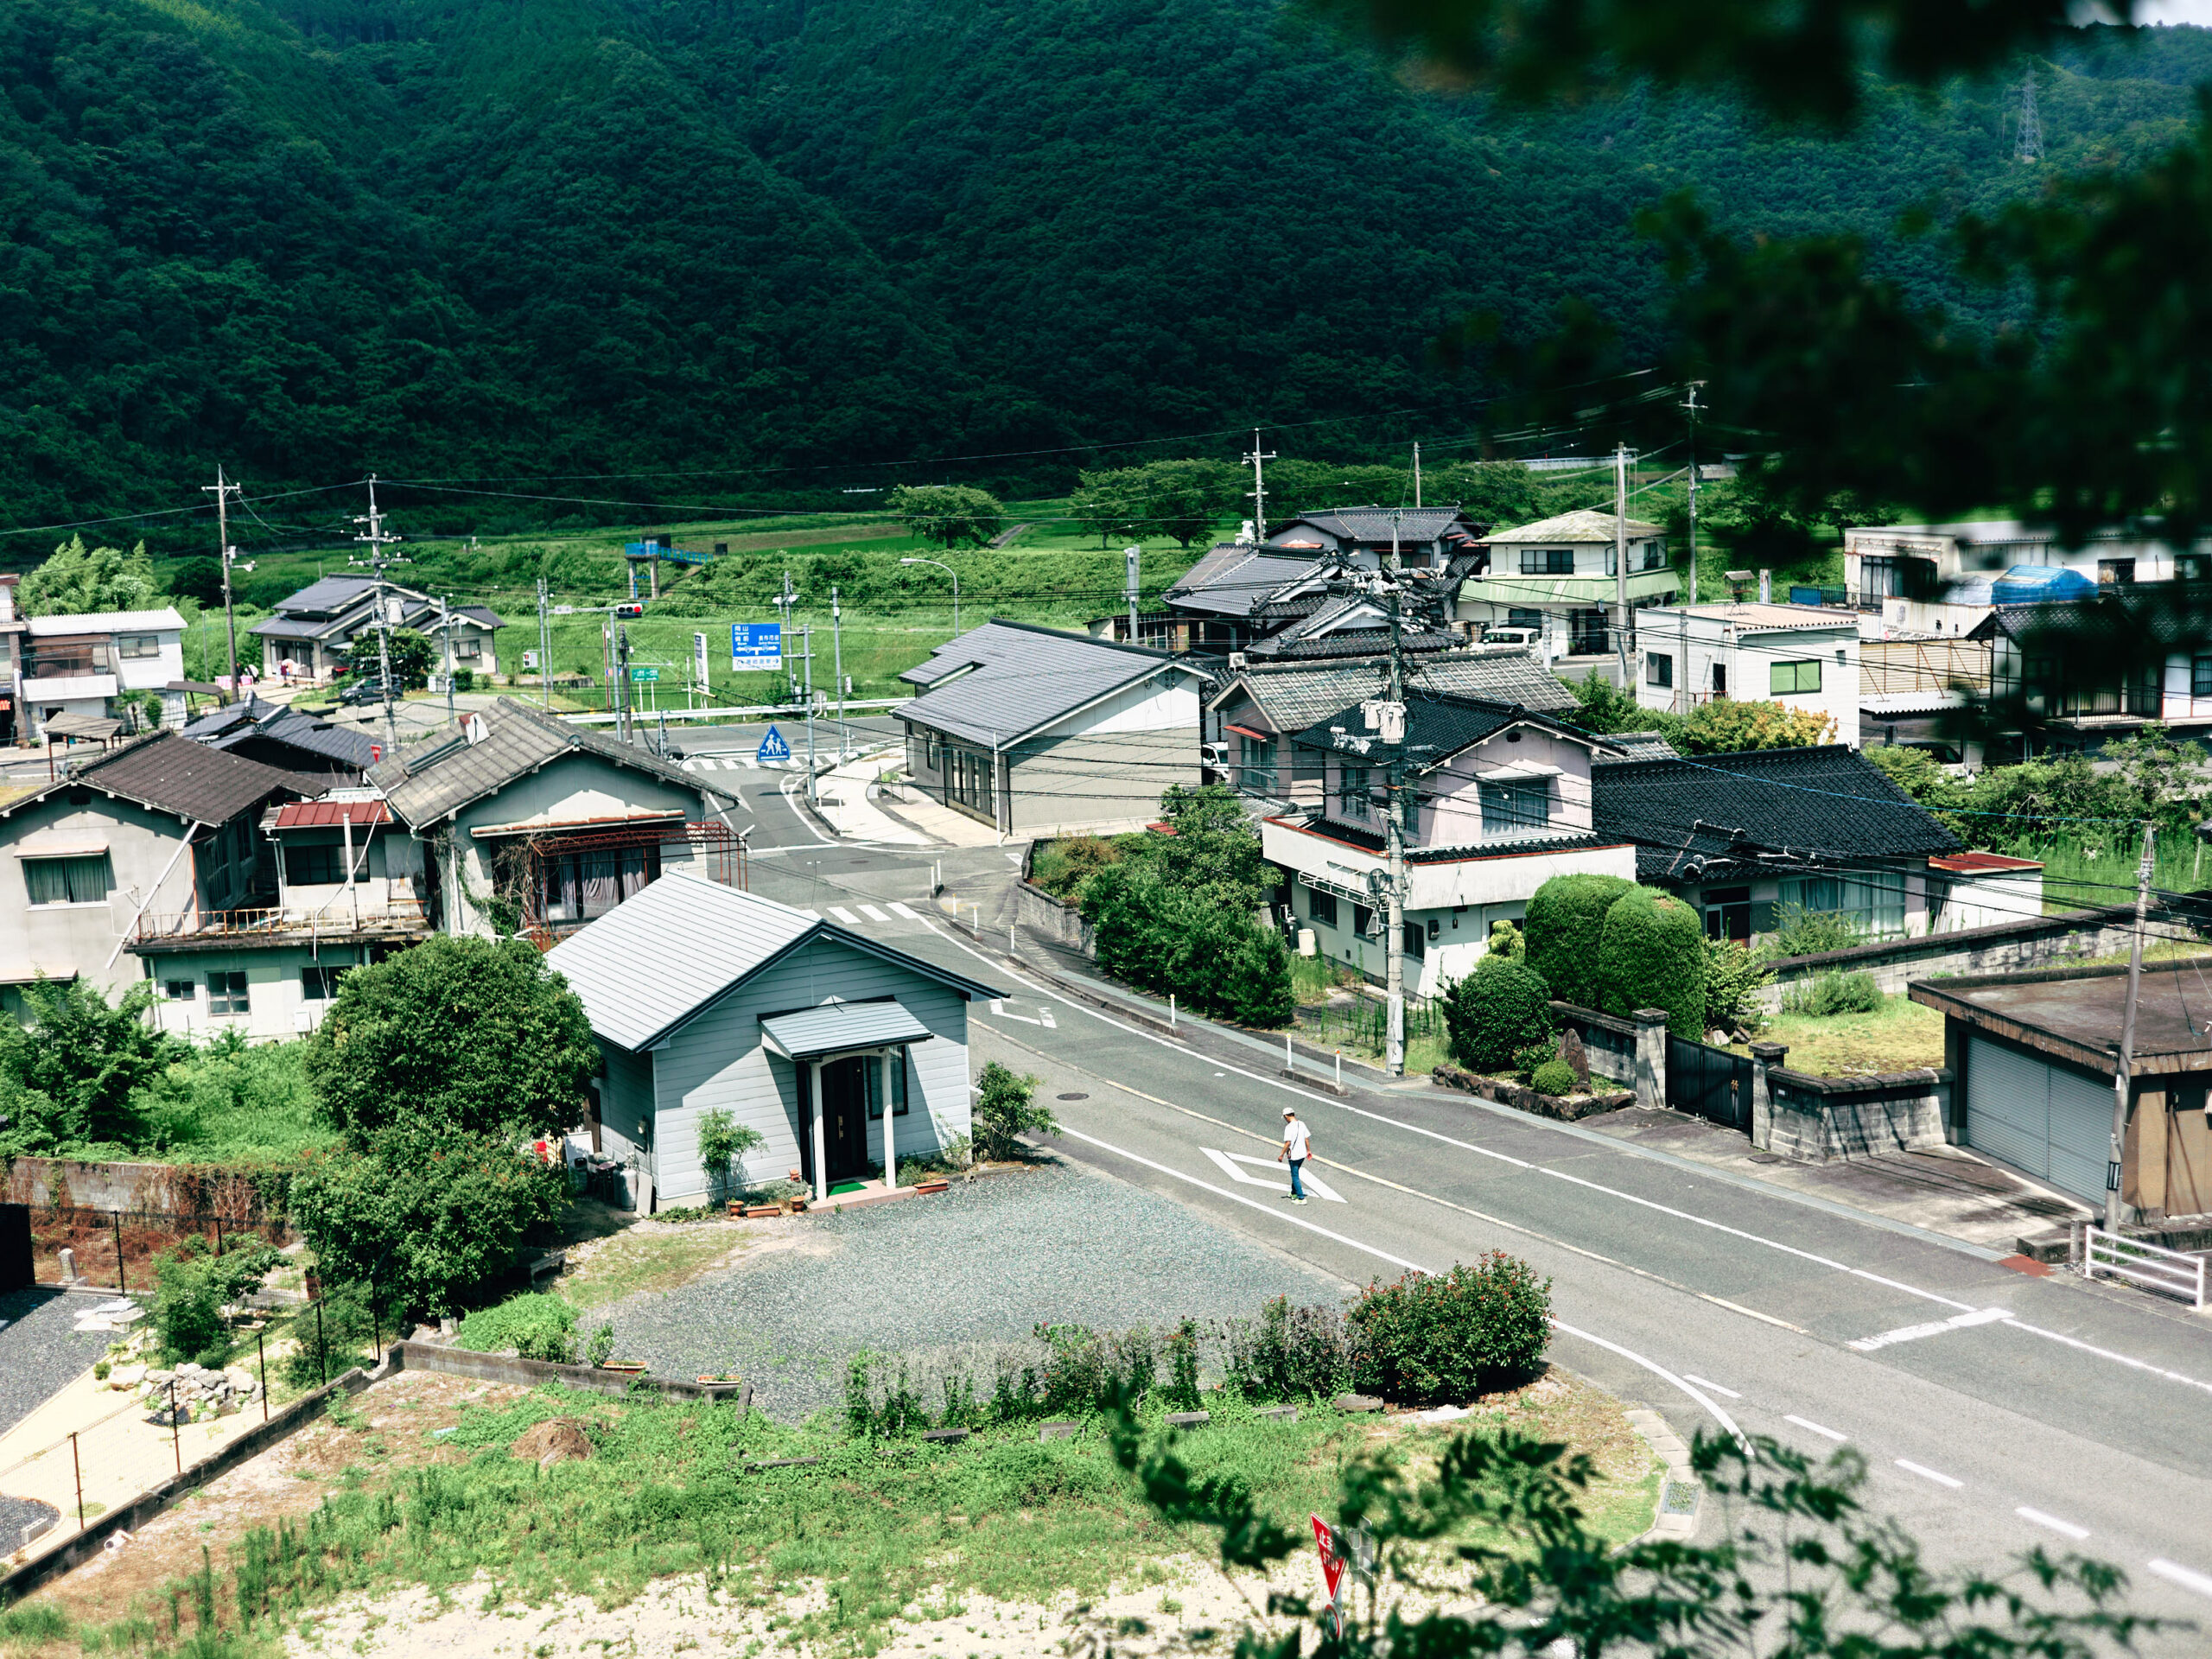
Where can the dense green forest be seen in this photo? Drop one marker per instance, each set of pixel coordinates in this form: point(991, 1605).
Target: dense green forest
point(599, 261)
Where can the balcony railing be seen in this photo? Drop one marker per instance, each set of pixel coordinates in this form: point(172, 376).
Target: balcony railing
point(390, 916)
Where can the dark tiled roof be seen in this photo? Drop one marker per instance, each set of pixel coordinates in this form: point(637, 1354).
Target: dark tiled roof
point(483, 614)
point(1294, 696)
point(1372, 841)
point(171, 773)
point(1373, 523)
point(1348, 642)
point(1829, 803)
point(1235, 578)
point(1437, 727)
point(240, 723)
point(327, 594)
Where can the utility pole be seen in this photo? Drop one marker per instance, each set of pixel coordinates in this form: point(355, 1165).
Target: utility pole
point(1394, 943)
point(1259, 488)
point(1131, 558)
point(838, 667)
point(223, 492)
point(1620, 563)
point(783, 602)
point(544, 649)
point(376, 541)
point(1692, 406)
point(2119, 1081)
point(446, 628)
point(1416, 477)
point(621, 683)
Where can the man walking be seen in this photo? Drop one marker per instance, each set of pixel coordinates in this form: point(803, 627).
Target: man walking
point(1297, 1147)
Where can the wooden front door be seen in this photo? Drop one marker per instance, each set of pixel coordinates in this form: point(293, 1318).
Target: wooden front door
point(844, 1117)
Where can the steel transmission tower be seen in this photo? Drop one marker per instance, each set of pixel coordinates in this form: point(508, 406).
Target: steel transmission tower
point(2027, 146)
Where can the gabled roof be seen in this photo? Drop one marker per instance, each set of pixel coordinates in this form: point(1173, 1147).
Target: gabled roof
point(1585, 525)
point(1294, 696)
point(329, 595)
point(108, 622)
point(169, 773)
point(1373, 523)
point(239, 723)
point(447, 773)
point(1235, 577)
point(656, 960)
point(1000, 682)
point(1829, 804)
point(1437, 728)
point(483, 614)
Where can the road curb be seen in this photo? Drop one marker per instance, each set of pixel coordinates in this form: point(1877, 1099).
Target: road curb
point(1680, 1493)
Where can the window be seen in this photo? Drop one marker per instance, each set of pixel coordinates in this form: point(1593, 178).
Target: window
point(1256, 757)
point(1874, 901)
point(971, 782)
point(226, 993)
point(1728, 913)
point(1416, 945)
point(1720, 679)
point(313, 867)
point(1363, 920)
point(2113, 573)
point(578, 887)
point(1351, 792)
point(1587, 634)
point(1321, 906)
point(1658, 669)
point(84, 880)
point(467, 648)
point(1654, 556)
point(179, 990)
point(873, 1072)
point(2200, 678)
point(1794, 679)
point(138, 647)
point(1546, 562)
point(1511, 807)
point(1520, 616)
point(320, 984)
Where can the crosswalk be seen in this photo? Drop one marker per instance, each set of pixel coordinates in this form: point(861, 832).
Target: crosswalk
point(839, 913)
point(739, 763)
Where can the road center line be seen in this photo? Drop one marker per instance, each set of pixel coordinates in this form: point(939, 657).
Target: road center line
point(1717, 1415)
point(2052, 1520)
point(2175, 1574)
point(1926, 1473)
point(1807, 1422)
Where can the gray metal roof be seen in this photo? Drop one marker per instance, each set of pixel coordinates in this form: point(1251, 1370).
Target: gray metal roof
point(447, 773)
point(328, 593)
point(290, 627)
point(1373, 523)
point(1292, 698)
point(1235, 577)
point(653, 961)
point(1024, 678)
point(838, 1026)
point(1583, 525)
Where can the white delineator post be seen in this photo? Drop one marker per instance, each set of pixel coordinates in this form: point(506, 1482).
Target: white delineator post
point(821, 1152)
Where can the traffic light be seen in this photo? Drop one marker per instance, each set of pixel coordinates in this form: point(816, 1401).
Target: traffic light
point(629, 610)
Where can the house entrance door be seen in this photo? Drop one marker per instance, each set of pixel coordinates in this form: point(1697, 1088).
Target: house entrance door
point(844, 1117)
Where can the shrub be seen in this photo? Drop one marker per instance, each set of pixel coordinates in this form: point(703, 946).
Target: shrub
point(1183, 1366)
point(1652, 955)
point(1566, 919)
point(1553, 1077)
point(1500, 1008)
point(328, 1339)
point(1005, 1108)
point(1830, 994)
point(601, 1348)
point(1062, 868)
point(74, 1062)
point(1733, 978)
point(191, 1284)
point(1288, 1353)
point(721, 1141)
point(1507, 941)
point(536, 1326)
point(1251, 983)
point(1446, 1337)
point(1801, 932)
point(464, 679)
point(1723, 727)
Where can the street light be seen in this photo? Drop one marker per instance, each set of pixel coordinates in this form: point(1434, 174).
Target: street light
point(955, 575)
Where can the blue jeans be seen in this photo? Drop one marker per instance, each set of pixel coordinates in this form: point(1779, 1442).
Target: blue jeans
point(1297, 1190)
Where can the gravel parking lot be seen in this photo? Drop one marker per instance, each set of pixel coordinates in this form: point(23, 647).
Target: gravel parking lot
point(39, 1350)
point(982, 1263)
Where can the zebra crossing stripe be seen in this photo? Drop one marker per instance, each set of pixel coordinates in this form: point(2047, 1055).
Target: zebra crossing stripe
point(901, 910)
point(844, 916)
point(873, 914)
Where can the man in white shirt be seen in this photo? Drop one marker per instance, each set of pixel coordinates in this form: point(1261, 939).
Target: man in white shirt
point(1297, 1147)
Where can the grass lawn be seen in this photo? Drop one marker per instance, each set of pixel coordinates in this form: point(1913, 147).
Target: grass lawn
point(420, 1495)
point(1901, 1035)
point(649, 1256)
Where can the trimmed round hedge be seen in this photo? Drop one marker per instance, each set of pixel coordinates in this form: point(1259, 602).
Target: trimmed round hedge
point(1553, 1077)
point(1501, 1009)
point(1566, 919)
point(1652, 955)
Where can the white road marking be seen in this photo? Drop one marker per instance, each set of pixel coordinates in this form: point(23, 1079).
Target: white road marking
point(1613, 1192)
point(2175, 1574)
point(805, 912)
point(745, 761)
point(1926, 1473)
point(1704, 1383)
point(873, 914)
point(901, 910)
point(1807, 1422)
point(999, 1008)
point(2052, 1520)
point(1935, 1328)
point(844, 916)
point(694, 762)
point(1276, 1178)
point(1629, 1354)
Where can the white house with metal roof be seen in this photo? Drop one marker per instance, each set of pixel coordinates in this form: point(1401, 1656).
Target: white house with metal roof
point(79, 665)
point(1041, 733)
point(845, 1054)
point(1557, 579)
point(1801, 656)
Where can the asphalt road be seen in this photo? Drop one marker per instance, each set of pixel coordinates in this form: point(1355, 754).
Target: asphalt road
point(1995, 1411)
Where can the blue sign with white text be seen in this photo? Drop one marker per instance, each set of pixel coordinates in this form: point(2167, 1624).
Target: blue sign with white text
point(756, 646)
point(773, 746)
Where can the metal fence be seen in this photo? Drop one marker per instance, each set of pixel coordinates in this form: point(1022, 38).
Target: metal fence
point(2175, 1273)
point(118, 1247)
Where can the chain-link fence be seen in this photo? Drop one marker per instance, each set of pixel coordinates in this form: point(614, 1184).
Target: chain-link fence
point(116, 1248)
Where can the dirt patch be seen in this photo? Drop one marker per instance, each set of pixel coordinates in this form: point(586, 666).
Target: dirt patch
point(557, 1439)
point(649, 1256)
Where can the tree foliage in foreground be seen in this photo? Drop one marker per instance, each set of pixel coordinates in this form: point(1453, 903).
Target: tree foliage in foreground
point(1801, 1569)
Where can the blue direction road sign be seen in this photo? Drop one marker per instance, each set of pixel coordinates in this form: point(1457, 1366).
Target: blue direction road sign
point(773, 746)
point(756, 646)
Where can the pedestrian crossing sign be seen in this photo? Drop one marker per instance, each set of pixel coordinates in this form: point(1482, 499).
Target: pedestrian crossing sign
point(773, 746)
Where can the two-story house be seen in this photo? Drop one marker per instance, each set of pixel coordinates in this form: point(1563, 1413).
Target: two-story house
point(1921, 580)
point(1556, 581)
point(1801, 656)
point(1496, 803)
point(313, 631)
point(81, 664)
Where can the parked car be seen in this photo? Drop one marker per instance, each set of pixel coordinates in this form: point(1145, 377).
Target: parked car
point(365, 691)
point(1508, 636)
point(1213, 764)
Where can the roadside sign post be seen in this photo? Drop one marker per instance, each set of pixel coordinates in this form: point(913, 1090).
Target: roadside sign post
point(773, 749)
point(1332, 1570)
point(756, 647)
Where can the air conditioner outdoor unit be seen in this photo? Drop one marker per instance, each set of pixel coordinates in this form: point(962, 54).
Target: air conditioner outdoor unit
point(1236, 661)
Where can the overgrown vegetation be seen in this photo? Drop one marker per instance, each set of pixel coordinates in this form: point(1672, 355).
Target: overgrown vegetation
point(1496, 1011)
point(192, 1286)
point(534, 1325)
point(1006, 1110)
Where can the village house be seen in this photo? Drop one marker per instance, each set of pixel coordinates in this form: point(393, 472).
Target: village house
point(1800, 656)
point(312, 635)
point(1554, 582)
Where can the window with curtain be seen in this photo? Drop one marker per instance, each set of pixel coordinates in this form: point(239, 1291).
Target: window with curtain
point(84, 880)
point(578, 887)
point(873, 1072)
point(1351, 792)
point(1794, 679)
point(1874, 901)
point(1510, 808)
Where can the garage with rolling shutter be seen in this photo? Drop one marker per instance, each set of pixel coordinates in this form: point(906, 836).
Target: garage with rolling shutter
point(2033, 1057)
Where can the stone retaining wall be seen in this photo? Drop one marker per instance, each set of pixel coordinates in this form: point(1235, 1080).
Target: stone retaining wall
point(1566, 1108)
point(240, 1195)
point(1829, 1120)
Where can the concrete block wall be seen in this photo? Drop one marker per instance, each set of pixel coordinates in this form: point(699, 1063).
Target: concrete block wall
point(1609, 1043)
point(1829, 1120)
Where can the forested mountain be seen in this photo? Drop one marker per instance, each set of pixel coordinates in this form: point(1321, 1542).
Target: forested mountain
point(763, 249)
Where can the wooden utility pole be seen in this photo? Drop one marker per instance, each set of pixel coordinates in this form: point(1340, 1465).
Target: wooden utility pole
point(2120, 1080)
